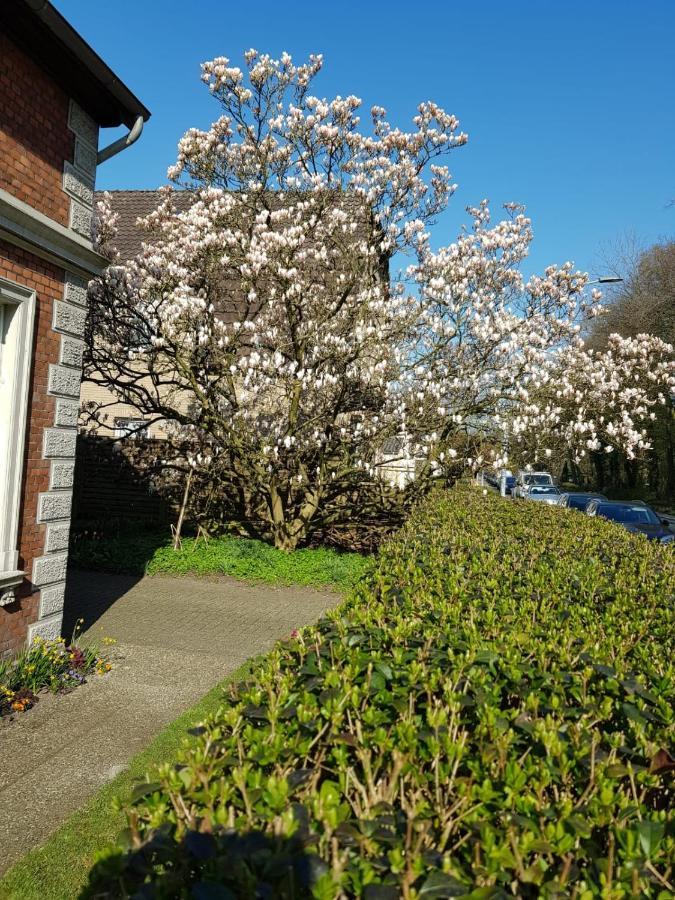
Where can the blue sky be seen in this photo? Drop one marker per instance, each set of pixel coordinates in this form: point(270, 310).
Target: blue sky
point(569, 106)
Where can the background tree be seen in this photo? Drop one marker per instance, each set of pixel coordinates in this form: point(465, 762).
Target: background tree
point(644, 303)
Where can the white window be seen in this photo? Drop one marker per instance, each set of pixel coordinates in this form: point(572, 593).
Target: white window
point(17, 313)
point(135, 428)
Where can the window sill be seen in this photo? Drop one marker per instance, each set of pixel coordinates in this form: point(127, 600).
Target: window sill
point(8, 582)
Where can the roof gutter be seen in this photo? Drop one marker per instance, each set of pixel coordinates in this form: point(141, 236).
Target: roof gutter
point(130, 107)
point(125, 141)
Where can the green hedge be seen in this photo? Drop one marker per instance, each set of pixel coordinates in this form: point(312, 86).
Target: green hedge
point(490, 714)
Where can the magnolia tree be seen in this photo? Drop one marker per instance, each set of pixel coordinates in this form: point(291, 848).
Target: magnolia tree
point(263, 323)
point(501, 357)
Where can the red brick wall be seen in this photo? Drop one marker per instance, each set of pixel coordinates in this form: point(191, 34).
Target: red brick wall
point(46, 280)
point(34, 135)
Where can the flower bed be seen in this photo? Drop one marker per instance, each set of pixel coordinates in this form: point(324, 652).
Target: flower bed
point(490, 714)
point(51, 665)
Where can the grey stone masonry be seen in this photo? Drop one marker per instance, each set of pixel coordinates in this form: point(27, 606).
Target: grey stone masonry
point(85, 158)
point(66, 413)
point(54, 505)
point(69, 318)
point(50, 569)
point(75, 290)
point(52, 599)
point(62, 474)
point(57, 537)
point(80, 219)
point(78, 184)
point(46, 629)
point(59, 443)
point(78, 177)
point(65, 381)
point(83, 125)
point(71, 352)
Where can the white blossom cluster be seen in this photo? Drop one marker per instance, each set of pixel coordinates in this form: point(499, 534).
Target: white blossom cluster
point(494, 352)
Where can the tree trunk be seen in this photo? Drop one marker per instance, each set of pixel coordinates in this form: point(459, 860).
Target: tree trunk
point(289, 530)
point(181, 516)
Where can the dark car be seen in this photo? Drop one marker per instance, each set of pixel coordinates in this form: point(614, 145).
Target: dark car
point(634, 516)
point(578, 500)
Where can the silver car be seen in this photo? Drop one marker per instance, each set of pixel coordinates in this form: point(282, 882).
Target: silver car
point(542, 493)
point(526, 480)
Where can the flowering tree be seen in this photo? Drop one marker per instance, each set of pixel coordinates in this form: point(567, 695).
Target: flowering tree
point(498, 356)
point(261, 319)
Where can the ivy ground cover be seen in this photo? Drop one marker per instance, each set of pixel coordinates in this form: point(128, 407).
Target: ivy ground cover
point(152, 553)
point(490, 714)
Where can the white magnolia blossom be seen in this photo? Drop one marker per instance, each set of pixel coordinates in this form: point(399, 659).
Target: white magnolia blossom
point(262, 321)
point(499, 354)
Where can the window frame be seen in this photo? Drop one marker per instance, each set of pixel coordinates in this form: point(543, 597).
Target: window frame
point(24, 301)
point(133, 431)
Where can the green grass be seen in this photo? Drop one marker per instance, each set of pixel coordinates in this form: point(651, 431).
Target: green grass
point(250, 560)
point(59, 869)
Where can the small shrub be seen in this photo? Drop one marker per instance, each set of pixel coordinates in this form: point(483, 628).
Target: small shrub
point(51, 665)
point(490, 714)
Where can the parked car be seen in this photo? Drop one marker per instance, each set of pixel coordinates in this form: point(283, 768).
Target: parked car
point(526, 479)
point(543, 493)
point(507, 485)
point(578, 500)
point(634, 516)
point(492, 478)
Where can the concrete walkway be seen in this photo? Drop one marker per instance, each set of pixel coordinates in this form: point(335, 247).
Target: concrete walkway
point(177, 637)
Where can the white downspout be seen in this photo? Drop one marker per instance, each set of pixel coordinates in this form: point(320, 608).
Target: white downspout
point(122, 143)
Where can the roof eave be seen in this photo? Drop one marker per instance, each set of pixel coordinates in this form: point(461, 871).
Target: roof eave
point(66, 53)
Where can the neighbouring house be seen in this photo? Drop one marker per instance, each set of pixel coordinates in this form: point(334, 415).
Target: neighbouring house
point(115, 418)
point(396, 464)
point(55, 95)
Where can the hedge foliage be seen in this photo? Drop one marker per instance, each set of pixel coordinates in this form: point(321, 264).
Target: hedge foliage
point(490, 714)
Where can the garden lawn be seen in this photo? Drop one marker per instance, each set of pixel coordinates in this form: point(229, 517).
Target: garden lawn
point(58, 870)
point(249, 560)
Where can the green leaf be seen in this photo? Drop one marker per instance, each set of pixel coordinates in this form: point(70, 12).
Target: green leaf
point(541, 847)
point(633, 713)
point(384, 670)
point(377, 682)
point(486, 656)
point(380, 892)
point(650, 834)
point(440, 884)
point(144, 788)
point(330, 793)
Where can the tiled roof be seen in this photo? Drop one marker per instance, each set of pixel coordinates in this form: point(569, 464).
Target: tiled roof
point(132, 205)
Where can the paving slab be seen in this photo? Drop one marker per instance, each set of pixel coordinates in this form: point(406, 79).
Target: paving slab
point(177, 637)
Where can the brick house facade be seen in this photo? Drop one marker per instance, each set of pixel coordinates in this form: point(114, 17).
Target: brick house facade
point(55, 93)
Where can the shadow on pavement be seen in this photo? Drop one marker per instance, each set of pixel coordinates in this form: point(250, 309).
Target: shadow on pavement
point(89, 595)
